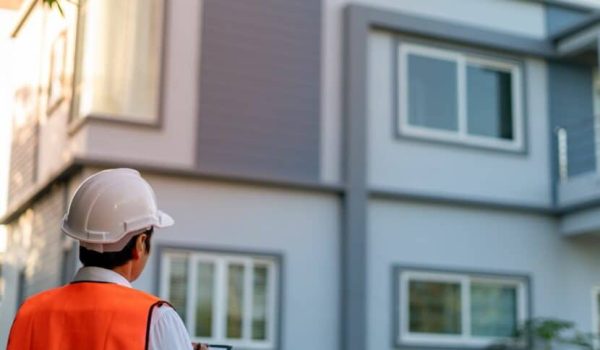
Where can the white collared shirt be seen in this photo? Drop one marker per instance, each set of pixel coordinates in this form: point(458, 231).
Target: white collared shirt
point(167, 331)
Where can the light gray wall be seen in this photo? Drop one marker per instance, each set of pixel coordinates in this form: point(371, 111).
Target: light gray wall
point(399, 163)
point(579, 190)
point(8, 305)
point(260, 88)
point(586, 221)
point(301, 226)
point(173, 144)
point(563, 272)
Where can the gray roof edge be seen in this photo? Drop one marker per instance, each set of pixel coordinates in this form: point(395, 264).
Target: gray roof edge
point(402, 22)
point(568, 5)
point(586, 23)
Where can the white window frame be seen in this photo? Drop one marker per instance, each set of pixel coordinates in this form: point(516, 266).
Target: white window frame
point(219, 320)
point(76, 115)
point(462, 136)
point(406, 337)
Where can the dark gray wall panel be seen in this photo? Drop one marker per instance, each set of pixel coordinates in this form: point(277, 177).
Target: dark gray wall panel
point(260, 88)
point(571, 107)
point(559, 17)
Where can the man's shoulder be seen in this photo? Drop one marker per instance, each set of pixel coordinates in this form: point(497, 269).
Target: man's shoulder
point(40, 299)
point(117, 290)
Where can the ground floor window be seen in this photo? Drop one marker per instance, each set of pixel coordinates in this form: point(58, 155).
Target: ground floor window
point(223, 298)
point(440, 308)
point(596, 310)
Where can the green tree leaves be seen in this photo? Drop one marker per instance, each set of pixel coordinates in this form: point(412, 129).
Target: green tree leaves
point(54, 4)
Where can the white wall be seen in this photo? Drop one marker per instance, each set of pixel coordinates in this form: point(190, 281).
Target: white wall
point(175, 143)
point(522, 18)
point(302, 227)
point(454, 170)
point(562, 272)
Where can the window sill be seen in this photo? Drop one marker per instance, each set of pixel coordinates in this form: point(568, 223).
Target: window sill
point(77, 123)
point(472, 343)
point(472, 142)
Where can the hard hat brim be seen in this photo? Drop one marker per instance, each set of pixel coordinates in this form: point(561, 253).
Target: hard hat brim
point(164, 220)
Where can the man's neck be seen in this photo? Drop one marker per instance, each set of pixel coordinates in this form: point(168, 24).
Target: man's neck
point(125, 271)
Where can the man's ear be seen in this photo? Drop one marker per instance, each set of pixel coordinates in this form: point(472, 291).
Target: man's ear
point(140, 246)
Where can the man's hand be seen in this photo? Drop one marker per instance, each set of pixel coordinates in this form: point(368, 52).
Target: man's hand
point(198, 346)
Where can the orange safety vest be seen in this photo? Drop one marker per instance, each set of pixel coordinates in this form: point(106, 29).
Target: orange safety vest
point(84, 315)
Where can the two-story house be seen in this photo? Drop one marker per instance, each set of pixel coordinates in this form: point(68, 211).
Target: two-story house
point(343, 174)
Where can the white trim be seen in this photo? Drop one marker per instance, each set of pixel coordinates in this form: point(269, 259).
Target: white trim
point(465, 304)
point(221, 262)
point(247, 295)
point(219, 308)
point(191, 295)
point(462, 136)
point(465, 338)
point(461, 94)
point(272, 293)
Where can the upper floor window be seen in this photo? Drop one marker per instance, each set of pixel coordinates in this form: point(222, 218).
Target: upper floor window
point(452, 309)
point(457, 97)
point(119, 59)
point(223, 298)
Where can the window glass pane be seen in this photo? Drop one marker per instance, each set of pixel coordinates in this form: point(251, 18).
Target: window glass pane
point(204, 299)
point(493, 310)
point(178, 284)
point(432, 95)
point(489, 102)
point(259, 303)
point(119, 63)
point(434, 307)
point(235, 300)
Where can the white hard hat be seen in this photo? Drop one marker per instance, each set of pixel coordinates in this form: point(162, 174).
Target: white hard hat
point(109, 208)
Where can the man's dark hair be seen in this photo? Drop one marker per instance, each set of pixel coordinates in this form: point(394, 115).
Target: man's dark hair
point(110, 260)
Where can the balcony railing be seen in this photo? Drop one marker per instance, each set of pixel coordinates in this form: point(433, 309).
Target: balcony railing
point(578, 148)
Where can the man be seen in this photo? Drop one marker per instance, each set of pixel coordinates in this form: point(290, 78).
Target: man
point(113, 215)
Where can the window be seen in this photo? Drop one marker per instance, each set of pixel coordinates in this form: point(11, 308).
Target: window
point(459, 309)
point(596, 311)
point(452, 96)
point(223, 298)
point(118, 59)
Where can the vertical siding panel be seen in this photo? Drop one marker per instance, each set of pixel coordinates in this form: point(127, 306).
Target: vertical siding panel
point(260, 88)
point(571, 107)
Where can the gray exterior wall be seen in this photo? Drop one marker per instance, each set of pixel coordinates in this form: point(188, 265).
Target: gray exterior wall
point(260, 87)
point(445, 237)
point(44, 265)
point(24, 148)
point(426, 166)
point(571, 107)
